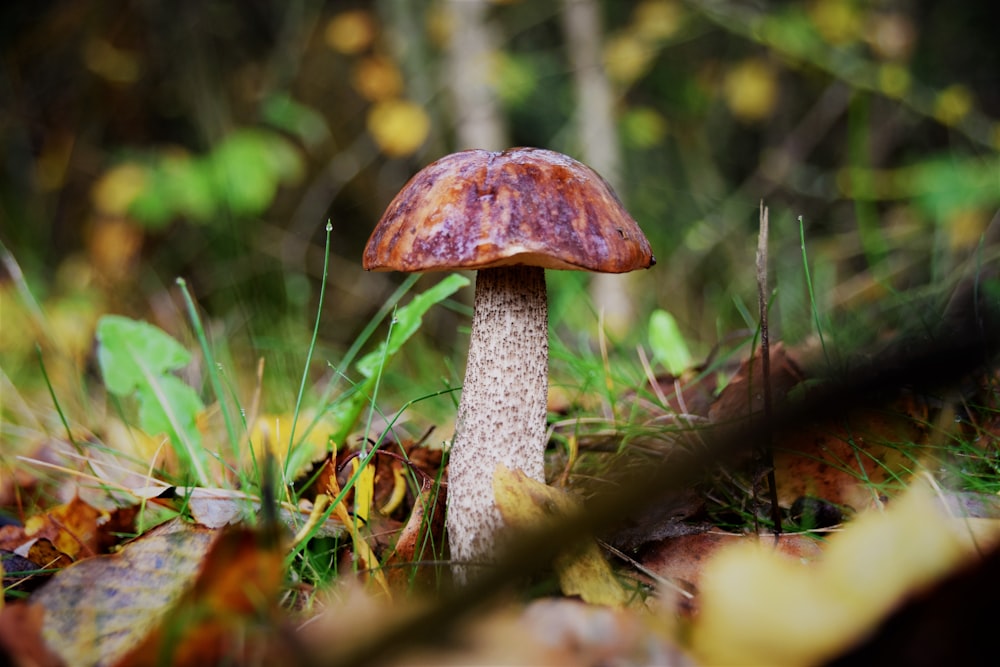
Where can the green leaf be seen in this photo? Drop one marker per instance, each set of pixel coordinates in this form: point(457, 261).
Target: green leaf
point(407, 321)
point(189, 187)
point(669, 346)
point(303, 121)
point(170, 406)
point(945, 185)
point(136, 357)
point(152, 207)
point(127, 346)
point(243, 172)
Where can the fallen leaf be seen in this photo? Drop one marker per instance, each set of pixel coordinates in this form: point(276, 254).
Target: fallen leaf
point(743, 396)
point(72, 528)
point(46, 556)
point(99, 608)
point(525, 503)
point(682, 559)
point(20, 574)
point(422, 537)
point(852, 460)
point(219, 618)
point(950, 624)
point(760, 607)
point(217, 508)
point(364, 555)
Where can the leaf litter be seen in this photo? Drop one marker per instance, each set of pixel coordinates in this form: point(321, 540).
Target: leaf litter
point(204, 588)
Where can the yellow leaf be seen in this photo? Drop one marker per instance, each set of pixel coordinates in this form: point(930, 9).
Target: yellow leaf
point(270, 432)
point(965, 228)
point(525, 503)
point(364, 489)
point(113, 246)
point(760, 607)
point(894, 80)
point(364, 554)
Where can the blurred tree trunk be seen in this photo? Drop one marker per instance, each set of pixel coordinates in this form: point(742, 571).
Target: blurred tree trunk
point(471, 49)
point(598, 138)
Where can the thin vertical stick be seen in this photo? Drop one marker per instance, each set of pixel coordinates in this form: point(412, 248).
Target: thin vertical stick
point(764, 461)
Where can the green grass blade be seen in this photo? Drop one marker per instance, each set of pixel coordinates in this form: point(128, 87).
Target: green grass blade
point(812, 294)
point(310, 351)
point(213, 371)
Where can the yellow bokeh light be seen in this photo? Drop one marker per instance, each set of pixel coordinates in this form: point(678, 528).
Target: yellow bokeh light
point(118, 187)
point(350, 32)
point(377, 78)
point(953, 104)
point(837, 21)
point(750, 90)
point(399, 127)
point(894, 80)
point(627, 58)
point(657, 20)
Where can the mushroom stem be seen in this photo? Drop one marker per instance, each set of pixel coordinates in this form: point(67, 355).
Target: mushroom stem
point(501, 416)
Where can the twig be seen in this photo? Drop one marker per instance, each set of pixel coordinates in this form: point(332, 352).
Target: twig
point(763, 459)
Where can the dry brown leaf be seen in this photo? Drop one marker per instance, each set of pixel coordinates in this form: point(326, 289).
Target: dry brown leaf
point(72, 528)
point(43, 553)
point(422, 537)
point(20, 574)
point(682, 559)
point(850, 461)
point(218, 620)
point(99, 608)
point(744, 394)
point(526, 503)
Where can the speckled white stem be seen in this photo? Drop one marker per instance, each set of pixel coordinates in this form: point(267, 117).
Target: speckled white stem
point(501, 417)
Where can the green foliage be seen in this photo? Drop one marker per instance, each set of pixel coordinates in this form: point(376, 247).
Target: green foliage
point(947, 184)
point(405, 322)
point(239, 177)
point(137, 358)
point(300, 120)
point(668, 343)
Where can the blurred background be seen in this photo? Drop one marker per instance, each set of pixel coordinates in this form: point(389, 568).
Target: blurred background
point(149, 140)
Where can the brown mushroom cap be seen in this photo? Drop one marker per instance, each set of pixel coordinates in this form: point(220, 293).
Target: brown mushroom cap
point(479, 209)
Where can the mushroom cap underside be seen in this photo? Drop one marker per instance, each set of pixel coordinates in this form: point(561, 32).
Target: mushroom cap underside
point(479, 209)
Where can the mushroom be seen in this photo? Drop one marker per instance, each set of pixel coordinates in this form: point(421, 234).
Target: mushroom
point(509, 215)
